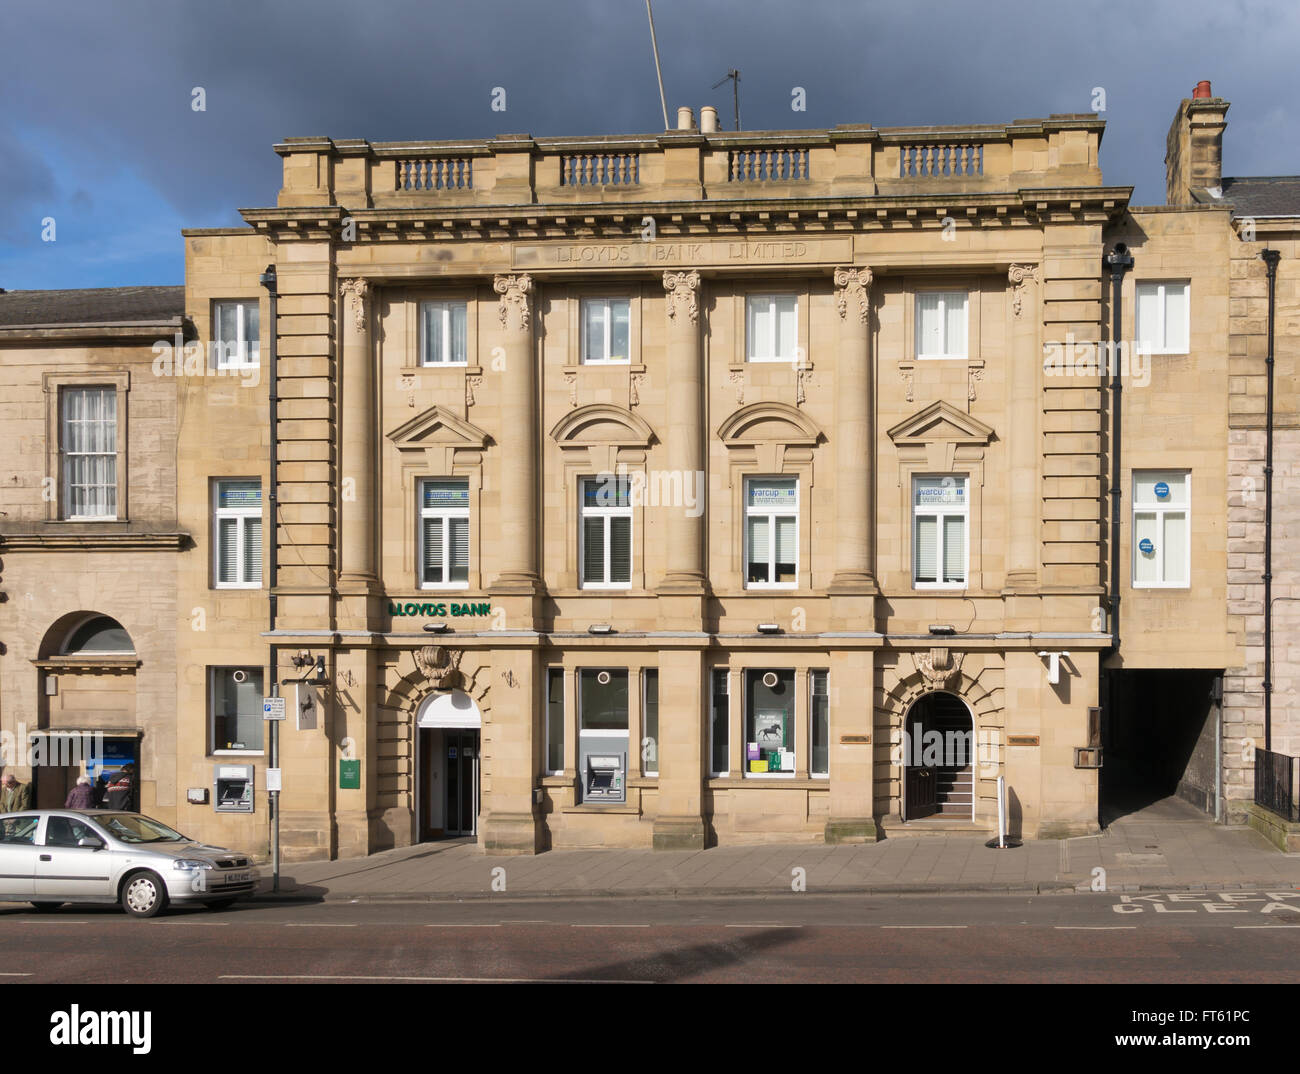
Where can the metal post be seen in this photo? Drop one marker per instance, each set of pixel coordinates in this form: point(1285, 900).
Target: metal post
point(275, 802)
point(1002, 812)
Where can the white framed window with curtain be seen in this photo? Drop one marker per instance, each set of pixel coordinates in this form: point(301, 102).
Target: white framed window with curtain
point(88, 450)
point(1163, 316)
point(941, 329)
point(940, 532)
point(444, 533)
point(606, 331)
point(605, 533)
point(1161, 529)
point(771, 532)
point(444, 333)
point(771, 328)
point(237, 536)
point(236, 327)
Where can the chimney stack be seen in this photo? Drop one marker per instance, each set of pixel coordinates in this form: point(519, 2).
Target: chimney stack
point(708, 120)
point(685, 119)
point(1194, 146)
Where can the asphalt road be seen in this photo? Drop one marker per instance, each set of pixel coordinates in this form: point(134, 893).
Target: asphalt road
point(799, 938)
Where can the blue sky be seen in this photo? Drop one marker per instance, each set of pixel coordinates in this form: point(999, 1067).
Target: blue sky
point(99, 134)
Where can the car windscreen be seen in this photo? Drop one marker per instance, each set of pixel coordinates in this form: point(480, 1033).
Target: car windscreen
point(133, 828)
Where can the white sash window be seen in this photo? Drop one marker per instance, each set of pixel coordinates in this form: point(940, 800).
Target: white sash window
point(1163, 316)
point(443, 333)
point(605, 536)
point(236, 328)
point(941, 324)
point(606, 331)
point(1161, 529)
point(940, 532)
point(771, 532)
point(444, 534)
point(772, 328)
point(88, 445)
point(237, 518)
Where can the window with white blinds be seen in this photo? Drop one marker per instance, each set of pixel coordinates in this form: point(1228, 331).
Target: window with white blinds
point(771, 328)
point(1161, 529)
point(444, 333)
point(606, 331)
point(940, 532)
point(237, 538)
point(941, 324)
point(605, 534)
point(444, 533)
point(236, 328)
point(88, 451)
point(1163, 316)
point(771, 532)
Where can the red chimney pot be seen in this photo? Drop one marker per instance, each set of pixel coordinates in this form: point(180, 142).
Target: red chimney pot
point(1202, 89)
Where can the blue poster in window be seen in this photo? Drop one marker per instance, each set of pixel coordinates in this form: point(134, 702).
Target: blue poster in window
point(1162, 490)
point(1146, 546)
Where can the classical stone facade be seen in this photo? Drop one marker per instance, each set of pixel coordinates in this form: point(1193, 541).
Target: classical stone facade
point(669, 491)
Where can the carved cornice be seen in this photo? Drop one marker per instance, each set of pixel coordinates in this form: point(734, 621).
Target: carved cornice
point(856, 283)
point(683, 287)
point(514, 291)
point(353, 292)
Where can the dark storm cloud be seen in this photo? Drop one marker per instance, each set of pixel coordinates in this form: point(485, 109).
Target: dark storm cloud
point(115, 80)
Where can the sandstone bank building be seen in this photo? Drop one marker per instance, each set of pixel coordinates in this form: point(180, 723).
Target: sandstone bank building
point(645, 491)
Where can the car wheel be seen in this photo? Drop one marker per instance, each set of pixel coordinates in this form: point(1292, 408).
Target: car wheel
point(220, 904)
point(144, 895)
point(46, 907)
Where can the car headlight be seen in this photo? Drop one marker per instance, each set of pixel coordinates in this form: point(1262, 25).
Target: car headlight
point(190, 864)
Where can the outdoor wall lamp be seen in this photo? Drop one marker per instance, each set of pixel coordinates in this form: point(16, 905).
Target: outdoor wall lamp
point(436, 628)
point(942, 628)
point(1054, 666)
point(600, 628)
point(769, 628)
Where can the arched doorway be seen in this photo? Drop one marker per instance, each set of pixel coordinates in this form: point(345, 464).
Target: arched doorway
point(939, 758)
point(447, 728)
point(88, 724)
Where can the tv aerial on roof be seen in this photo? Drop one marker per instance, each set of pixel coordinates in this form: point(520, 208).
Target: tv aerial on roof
point(734, 75)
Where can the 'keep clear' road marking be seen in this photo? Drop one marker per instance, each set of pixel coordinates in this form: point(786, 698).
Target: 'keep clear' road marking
point(456, 980)
point(1222, 902)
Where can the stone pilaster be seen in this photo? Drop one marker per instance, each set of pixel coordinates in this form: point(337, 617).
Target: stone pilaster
point(679, 822)
point(854, 549)
point(517, 573)
point(357, 454)
point(851, 816)
point(1023, 406)
point(685, 530)
point(508, 819)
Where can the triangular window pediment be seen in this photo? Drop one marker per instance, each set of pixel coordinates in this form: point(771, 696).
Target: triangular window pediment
point(941, 422)
point(437, 427)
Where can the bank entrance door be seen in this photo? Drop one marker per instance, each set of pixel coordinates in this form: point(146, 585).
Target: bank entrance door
point(462, 782)
point(448, 738)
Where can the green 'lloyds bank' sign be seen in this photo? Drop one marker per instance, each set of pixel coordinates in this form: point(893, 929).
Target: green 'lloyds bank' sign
point(439, 609)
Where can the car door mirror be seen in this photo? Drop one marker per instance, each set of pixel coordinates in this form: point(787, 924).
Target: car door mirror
point(94, 842)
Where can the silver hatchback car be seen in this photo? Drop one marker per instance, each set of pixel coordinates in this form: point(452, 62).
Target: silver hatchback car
point(52, 856)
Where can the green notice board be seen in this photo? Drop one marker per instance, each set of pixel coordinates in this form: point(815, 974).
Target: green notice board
point(349, 775)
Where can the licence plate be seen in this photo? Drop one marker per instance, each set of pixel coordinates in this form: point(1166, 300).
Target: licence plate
point(238, 878)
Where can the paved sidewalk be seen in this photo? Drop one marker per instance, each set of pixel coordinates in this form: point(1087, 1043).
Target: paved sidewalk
point(1167, 846)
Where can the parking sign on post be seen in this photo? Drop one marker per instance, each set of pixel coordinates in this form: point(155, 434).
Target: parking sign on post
point(273, 708)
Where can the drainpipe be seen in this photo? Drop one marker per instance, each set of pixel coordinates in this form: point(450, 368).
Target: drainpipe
point(268, 280)
point(1118, 261)
point(1271, 258)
